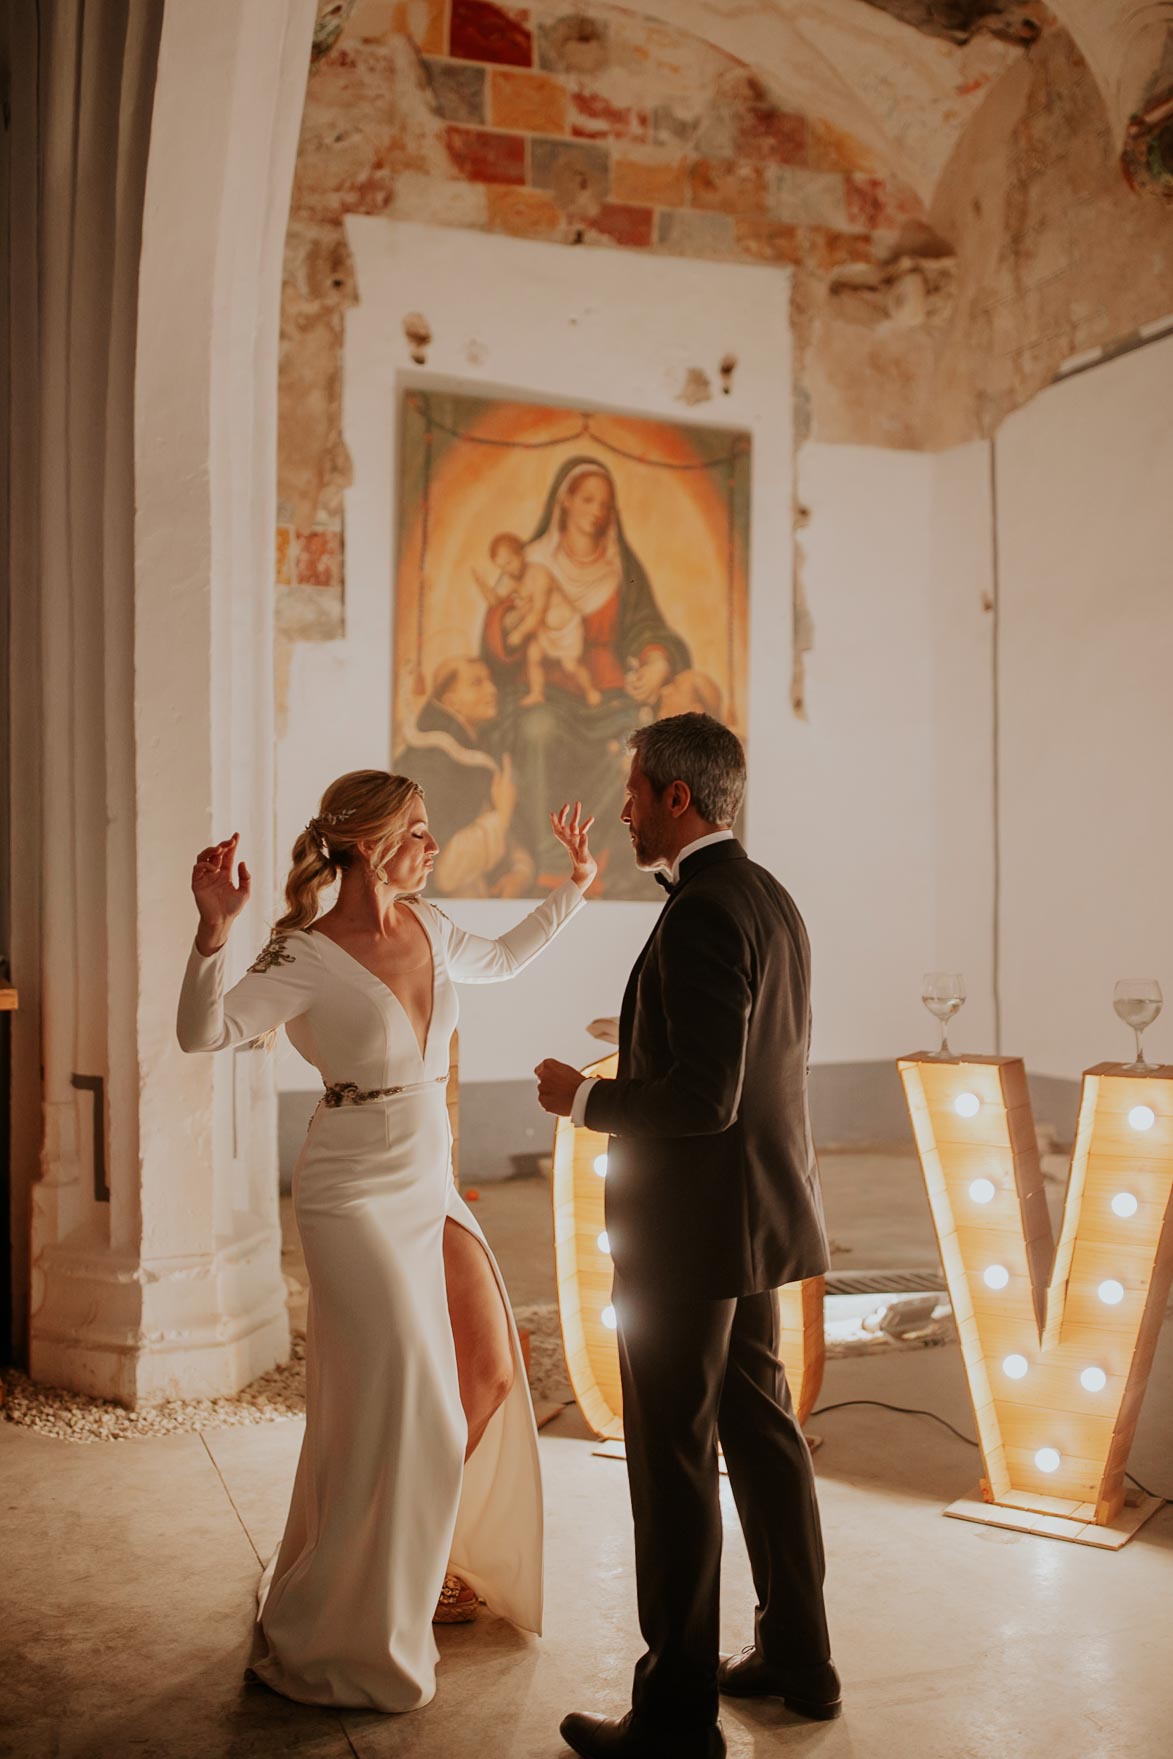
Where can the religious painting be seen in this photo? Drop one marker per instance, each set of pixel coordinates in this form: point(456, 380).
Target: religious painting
point(562, 577)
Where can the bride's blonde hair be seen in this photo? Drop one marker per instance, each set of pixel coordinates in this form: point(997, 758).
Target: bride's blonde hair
point(364, 806)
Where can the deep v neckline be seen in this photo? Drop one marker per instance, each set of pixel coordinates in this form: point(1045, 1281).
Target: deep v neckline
point(421, 1052)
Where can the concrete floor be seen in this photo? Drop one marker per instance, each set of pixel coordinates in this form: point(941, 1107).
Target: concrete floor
point(129, 1570)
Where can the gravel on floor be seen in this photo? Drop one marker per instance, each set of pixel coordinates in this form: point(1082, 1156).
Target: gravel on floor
point(272, 1398)
point(76, 1417)
point(280, 1393)
point(548, 1379)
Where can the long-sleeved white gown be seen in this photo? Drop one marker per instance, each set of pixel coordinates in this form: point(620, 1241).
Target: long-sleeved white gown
point(383, 1502)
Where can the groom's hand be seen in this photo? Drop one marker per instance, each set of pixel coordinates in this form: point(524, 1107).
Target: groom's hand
point(557, 1085)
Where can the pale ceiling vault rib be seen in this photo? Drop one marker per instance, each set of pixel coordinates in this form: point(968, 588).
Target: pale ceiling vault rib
point(907, 96)
point(904, 93)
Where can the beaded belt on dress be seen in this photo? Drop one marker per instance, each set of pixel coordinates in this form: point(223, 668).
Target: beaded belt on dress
point(350, 1093)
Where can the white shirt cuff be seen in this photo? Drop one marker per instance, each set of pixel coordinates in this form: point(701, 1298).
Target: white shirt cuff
point(578, 1108)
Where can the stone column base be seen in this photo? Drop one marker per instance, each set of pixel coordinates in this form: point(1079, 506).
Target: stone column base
point(140, 1331)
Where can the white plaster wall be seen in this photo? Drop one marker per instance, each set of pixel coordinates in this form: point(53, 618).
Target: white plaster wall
point(609, 328)
point(1086, 533)
point(855, 817)
point(1085, 714)
point(962, 636)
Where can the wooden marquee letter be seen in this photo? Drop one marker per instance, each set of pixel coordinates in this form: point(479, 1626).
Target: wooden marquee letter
point(583, 1264)
point(1057, 1343)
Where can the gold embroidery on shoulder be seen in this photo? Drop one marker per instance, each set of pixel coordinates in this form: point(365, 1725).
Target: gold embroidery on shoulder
point(272, 953)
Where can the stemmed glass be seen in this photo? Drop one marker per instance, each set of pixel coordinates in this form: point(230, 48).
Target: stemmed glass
point(943, 993)
point(1138, 1001)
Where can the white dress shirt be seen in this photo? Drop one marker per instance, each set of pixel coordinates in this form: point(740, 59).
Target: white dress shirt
point(691, 849)
point(578, 1107)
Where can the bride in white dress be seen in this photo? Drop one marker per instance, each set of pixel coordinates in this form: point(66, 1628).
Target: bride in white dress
point(418, 1486)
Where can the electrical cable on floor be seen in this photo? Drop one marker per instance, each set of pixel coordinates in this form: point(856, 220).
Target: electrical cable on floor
point(1144, 1489)
point(901, 1410)
point(916, 1411)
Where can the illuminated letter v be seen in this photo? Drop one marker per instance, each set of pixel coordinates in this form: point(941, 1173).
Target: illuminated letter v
point(1057, 1344)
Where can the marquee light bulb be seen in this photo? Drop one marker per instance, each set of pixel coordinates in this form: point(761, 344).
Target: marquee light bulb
point(1124, 1203)
point(1093, 1380)
point(1111, 1292)
point(982, 1191)
point(603, 1242)
point(601, 1165)
point(996, 1276)
point(608, 1318)
point(1047, 1460)
point(967, 1105)
point(1142, 1117)
point(1015, 1367)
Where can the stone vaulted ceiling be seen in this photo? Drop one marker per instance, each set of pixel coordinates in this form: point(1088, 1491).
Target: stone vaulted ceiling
point(941, 179)
point(893, 74)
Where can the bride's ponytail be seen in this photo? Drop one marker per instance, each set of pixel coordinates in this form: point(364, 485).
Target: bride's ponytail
point(313, 868)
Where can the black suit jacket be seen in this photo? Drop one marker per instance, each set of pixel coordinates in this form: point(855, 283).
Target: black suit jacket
point(712, 1183)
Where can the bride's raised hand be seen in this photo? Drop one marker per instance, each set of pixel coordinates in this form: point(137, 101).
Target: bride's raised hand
point(571, 832)
point(218, 900)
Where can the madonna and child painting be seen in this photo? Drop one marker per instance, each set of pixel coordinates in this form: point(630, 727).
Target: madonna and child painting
point(562, 577)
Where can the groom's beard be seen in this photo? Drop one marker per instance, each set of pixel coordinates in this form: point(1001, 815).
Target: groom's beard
point(647, 852)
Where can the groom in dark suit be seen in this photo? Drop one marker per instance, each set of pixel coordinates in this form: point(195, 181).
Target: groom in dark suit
point(713, 1202)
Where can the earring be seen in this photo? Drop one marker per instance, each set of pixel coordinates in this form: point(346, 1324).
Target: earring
point(380, 874)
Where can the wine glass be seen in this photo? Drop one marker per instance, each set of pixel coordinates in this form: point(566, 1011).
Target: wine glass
point(943, 993)
point(1138, 1002)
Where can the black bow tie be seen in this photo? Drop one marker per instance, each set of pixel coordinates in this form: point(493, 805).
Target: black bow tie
point(662, 879)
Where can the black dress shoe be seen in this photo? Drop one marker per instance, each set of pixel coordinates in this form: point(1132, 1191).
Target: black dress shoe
point(815, 1695)
point(632, 1737)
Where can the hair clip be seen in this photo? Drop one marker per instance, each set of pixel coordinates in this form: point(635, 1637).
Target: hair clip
point(318, 837)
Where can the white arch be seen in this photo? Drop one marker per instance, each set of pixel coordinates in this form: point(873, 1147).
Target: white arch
point(154, 384)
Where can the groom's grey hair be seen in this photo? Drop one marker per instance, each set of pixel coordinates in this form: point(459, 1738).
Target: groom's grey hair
point(698, 750)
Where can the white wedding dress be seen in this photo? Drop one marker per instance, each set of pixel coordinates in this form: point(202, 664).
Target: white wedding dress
point(383, 1503)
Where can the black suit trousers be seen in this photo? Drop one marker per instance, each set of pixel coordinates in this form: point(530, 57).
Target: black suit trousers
point(693, 1370)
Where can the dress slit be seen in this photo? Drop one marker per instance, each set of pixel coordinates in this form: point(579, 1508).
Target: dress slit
point(498, 1526)
point(479, 1241)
